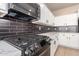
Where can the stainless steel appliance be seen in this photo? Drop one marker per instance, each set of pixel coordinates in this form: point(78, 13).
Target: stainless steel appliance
point(31, 45)
point(22, 11)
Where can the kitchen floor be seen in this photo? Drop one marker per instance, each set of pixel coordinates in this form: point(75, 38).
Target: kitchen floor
point(64, 51)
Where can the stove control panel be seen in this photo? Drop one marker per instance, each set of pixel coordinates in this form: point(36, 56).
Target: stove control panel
point(32, 49)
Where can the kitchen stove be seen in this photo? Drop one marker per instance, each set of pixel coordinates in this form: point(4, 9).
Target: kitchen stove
point(29, 45)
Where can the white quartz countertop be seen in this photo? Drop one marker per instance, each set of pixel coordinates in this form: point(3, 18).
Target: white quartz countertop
point(8, 50)
point(49, 34)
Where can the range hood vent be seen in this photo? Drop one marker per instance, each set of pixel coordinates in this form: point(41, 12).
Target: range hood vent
point(22, 11)
point(14, 14)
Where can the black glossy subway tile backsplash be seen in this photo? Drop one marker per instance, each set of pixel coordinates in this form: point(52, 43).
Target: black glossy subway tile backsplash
point(72, 28)
point(9, 27)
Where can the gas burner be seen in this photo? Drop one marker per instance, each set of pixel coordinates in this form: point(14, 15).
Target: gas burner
point(29, 44)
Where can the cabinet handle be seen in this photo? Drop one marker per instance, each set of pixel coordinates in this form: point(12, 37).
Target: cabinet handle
point(47, 21)
point(54, 42)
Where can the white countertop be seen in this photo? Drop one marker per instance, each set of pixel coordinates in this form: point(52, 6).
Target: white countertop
point(8, 50)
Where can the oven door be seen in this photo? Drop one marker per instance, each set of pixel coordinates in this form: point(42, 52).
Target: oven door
point(44, 51)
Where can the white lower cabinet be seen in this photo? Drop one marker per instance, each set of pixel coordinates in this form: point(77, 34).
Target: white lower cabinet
point(74, 40)
point(63, 39)
point(70, 40)
point(54, 44)
point(53, 47)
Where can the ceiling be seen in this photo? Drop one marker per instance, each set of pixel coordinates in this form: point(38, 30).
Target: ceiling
point(56, 6)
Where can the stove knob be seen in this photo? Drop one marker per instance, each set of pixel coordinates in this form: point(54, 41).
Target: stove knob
point(26, 52)
point(43, 43)
point(48, 40)
point(36, 46)
point(31, 49)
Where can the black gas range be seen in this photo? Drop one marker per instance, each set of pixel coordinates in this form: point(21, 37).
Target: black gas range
point(30, 45)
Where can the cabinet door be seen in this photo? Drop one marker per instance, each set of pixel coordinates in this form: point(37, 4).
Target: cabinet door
point(63, 39)
point(54, 44)
point(46, 17)
point(69, 40)
point(74, 40)
point(70, 19)
point(49, 17)
point(53, 47)
point(3, 6)
point(3, 9)
point(43, 13)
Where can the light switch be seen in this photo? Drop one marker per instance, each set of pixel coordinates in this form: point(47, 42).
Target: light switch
point(54, 42)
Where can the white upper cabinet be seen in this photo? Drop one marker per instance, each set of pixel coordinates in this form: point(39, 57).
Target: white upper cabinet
point(46, 17)
point(3, 9)
point(65, 20)
point(49, 17)
point(43, 13)
point(3, 6)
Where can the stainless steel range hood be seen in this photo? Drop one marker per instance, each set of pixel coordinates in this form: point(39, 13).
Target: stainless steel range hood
point(21, 11)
